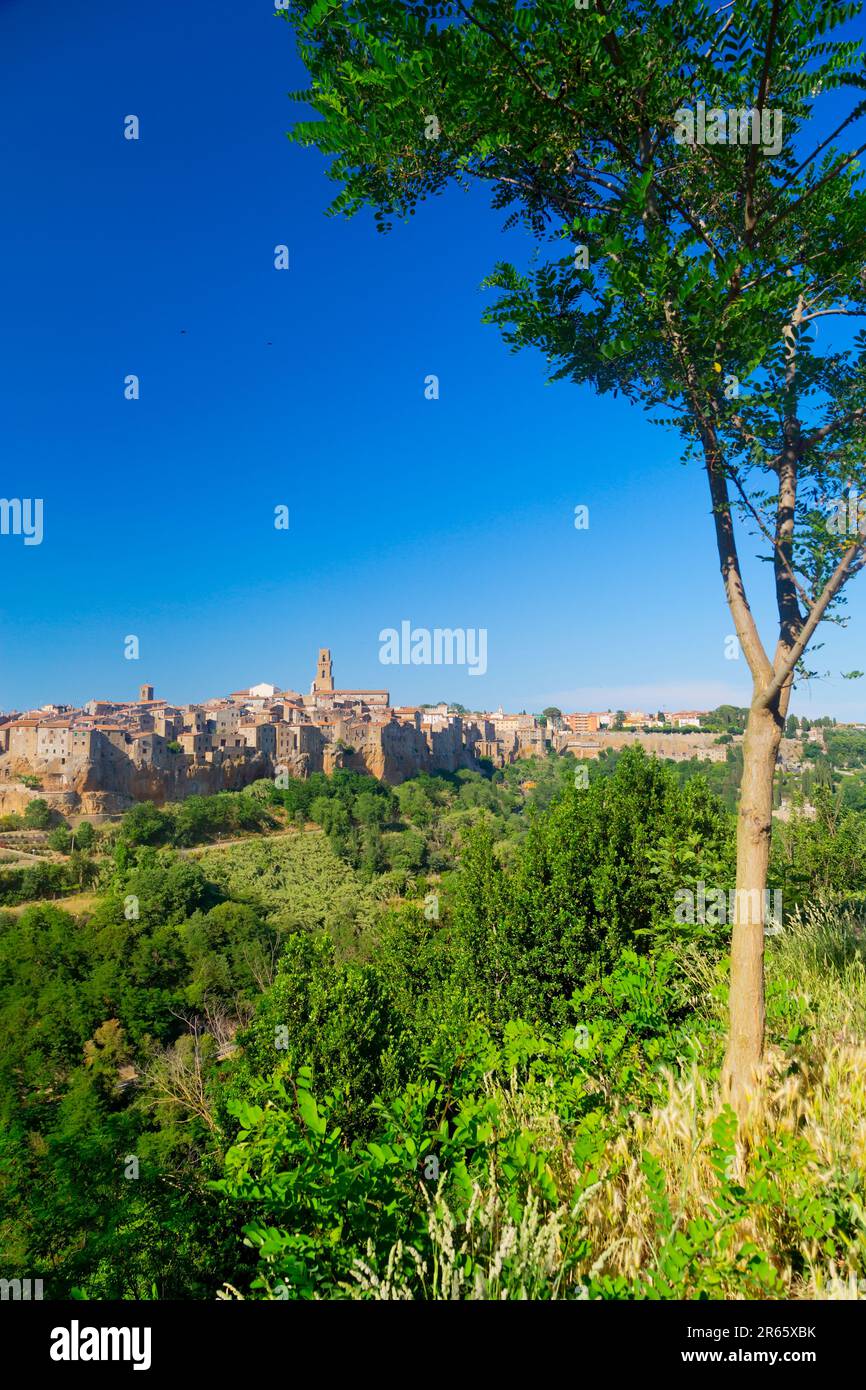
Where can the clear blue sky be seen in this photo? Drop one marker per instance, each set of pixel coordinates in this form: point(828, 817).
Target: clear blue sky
point(159, 512)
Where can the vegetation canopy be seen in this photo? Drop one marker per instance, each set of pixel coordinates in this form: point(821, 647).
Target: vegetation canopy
point(694, 222)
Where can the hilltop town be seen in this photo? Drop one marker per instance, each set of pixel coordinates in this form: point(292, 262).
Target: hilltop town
point(99, 759)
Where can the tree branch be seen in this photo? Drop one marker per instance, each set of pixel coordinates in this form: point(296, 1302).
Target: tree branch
point(817, 435)
point(844, 570)
point(750, 217)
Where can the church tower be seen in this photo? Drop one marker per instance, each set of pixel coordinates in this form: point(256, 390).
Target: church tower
point(324, 673)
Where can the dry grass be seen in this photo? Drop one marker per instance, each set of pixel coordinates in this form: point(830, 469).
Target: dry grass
point(780, 1212)
point(76, 904)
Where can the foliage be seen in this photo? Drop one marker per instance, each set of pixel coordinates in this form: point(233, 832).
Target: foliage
point(822, 855)
point(37, 814)
point(193, 821)
point(24, 884)
point(518, 1168)
point(598, 872)
point(401, 1082)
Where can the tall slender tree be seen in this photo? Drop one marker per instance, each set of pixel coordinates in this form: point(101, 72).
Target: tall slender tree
point(697, 220)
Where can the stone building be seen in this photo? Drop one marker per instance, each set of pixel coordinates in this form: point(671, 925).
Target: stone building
point(324, 698)
point(261, 736)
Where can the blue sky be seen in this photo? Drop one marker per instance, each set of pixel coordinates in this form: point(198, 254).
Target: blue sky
point(159, 512)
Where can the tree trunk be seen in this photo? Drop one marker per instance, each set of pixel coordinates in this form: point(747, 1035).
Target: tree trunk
point(746, 1038)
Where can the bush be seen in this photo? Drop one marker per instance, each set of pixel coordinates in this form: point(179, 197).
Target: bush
point(37, 814)
point(596, 874)
point(593, 1163)
point(85, 835)
point(60, 839)
point(38, 881)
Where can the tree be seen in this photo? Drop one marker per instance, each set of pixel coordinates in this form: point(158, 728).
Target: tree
point(37, 814)
point(370, 809)
point(414, 802)
point(792, 727)
point(331, 815)
point(372, 852)
point(82, 868)
point(60, 839)
point(106, 1052)
point(596, 874)
point(727, 719)
point(85, 835)
point(619, 720)
point(696, 255)
point(406, 850)
point(145, 824)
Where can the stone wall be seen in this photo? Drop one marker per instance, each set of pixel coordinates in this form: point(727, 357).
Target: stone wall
point(110, 784)
point(679, 747)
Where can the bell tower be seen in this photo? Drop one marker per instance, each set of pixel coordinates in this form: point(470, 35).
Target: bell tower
point(324, 672)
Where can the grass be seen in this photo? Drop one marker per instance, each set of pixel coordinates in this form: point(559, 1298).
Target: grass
point(675, 1204)
point(74, 903)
